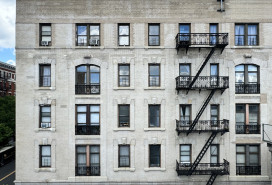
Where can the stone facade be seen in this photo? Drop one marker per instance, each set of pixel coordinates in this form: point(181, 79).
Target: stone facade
point(64, 56)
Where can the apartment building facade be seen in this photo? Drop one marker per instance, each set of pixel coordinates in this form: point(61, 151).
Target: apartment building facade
point(143, 92)
point(7, 79)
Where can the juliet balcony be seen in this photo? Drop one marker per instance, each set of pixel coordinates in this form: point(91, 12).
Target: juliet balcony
point(201, 40)
point(87, 89)
point(203, 168)
point(252, 88)
point(203, 126)
point(202, 82)
point(87, 129)
point(248, 170)
point(253, 128)
point(83, 170)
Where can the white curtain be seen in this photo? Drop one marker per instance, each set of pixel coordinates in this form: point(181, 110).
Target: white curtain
point(252, 35)
point(239, 32)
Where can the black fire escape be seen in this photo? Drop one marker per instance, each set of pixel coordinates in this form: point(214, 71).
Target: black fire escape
point(213, 83)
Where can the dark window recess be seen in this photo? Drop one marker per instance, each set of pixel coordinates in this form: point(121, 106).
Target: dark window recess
point(88, 120)
point(124, 156)
point(154, 115)
point(45, 116)
point(123, 34)
point(123, 115)
point(45, 75)
point(88, 35)
point(154, 155)
point(87, 79)
point(153, 34)
point(124, 75)
point(45, 156)
point(154, 75)
point(45, 35)
point(246, 35)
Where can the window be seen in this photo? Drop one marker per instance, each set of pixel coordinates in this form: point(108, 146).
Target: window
point(45, 35)
point(213, 33)
point(185, 154)
point(124, 156)
point(123, 115)
point(154, 115)
point(123, 34)
point(45, 116)
point(185, 69)
point(154, 75)
point(247, 79)
point(184, 30)
point(214, 115)
point(214, 151)
point(45, 75)
point(246, 34)
point(88, 164)
point(247, 119)
point(88, 35)
point(153, 34)
point(87, 119)
point(45, 156)
point(248, 160)
point(214, 72)
point(154, 155)
point(185, 114)
point(123, 75)
point(87, 79)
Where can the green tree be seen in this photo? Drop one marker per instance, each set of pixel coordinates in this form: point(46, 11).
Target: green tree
point(7, 119)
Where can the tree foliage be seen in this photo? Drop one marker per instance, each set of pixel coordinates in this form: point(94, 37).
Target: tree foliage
point(7, 118)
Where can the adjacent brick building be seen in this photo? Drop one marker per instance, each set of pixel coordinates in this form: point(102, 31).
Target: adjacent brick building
point(7, 79)
point(143, 92)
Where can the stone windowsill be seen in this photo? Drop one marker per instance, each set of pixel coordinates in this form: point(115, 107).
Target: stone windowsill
point(124, 169)
point(123, 88)
point(46, 88)
point(45, 130)
point(154, 169)
point(124, 129)
point(154, 129)
point(154, 88)
point(52, 170)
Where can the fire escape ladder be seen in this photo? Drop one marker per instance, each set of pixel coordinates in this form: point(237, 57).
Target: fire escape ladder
point(201, 68)
point(211, 179)
point(202, 153)
point(201, 111)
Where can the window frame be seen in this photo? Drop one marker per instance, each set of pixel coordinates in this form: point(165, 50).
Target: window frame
point(42, 76)
point(149, 115)
point(246, 34)
point(88, 36)
point(150, 165)
point(119, 156)
point(119, 65)
point(41, 34)
point(190, 109)
point(42, 156)
point(185, 64)
point(215, 34)
point(123, 105)
point(217, 116)
point(118, 31)
point(149, 35)
point(149, 76)
point(41, 116)
point(213, 155)
point(190, 146)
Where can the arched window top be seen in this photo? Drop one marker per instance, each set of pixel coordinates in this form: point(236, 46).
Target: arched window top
point(87, 79)
point(248, 67)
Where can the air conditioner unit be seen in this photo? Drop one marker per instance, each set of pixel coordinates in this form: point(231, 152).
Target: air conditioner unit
point(94, 42)
point(45, 125)
point(44, 43)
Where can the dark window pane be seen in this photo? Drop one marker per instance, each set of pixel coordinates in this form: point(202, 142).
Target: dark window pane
point(154, 155)
point(154, 115)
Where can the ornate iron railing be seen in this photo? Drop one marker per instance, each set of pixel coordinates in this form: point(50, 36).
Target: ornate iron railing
point(87, 130)
point(248, 170)
point(247, 88)
point(88, 89)
point(187, 39)
point(203, 82)
point(88, 170)
point(203, 126)
point(253, 128)
point(203, 168)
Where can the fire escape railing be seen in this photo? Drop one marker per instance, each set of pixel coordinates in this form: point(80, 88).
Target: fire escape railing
point(203, 126)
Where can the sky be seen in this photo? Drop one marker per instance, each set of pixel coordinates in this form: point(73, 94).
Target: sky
point(7, 31)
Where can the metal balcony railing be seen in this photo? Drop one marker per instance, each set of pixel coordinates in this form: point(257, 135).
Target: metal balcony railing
point(203, 126)
point(247, 88)
point(203, 168)
point(200, 39)
point(88, 170)
point(202, 82)
point(87, 130)
point(253, 128)
point(248, 170)
point(87, 89)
